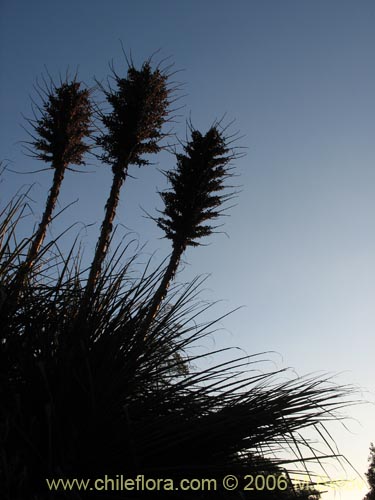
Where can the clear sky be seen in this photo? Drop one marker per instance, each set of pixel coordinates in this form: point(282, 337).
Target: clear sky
point(299, 79)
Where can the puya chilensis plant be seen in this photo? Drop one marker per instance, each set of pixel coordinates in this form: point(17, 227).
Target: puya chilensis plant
point(133, 128)
point(58, 139)
point(198, 191)
point(120, 406)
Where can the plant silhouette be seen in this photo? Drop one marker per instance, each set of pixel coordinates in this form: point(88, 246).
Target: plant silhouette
point(116, 401)
point(139, 108)
point(194, 199)
point(60, 130)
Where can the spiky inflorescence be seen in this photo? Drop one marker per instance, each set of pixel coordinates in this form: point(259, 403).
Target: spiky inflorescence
point(64, 123)
point(201, 172)
point(139, 109)
point(199, 177)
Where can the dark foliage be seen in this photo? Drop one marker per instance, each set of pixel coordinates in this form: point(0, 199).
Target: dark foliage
point(84, 394)
point(115, 404)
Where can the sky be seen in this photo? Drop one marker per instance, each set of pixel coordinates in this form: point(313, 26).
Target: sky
point(297, 79)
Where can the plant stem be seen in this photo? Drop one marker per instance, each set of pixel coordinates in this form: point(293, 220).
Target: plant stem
point(105, 233)
point(161, 292)
point(47, 216)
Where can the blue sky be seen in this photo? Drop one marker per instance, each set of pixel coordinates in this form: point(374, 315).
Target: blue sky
point(298, 77)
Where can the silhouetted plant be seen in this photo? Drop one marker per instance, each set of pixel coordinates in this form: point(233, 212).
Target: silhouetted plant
point(139, 108)
point(60, 132)
point(195, 198)
point(11, 253)
point(117, 401)
point(120, 407)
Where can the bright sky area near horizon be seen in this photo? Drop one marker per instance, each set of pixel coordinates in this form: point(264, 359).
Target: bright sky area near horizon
point(298, 77)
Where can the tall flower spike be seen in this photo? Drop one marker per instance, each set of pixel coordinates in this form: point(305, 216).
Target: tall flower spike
point(133, 128)
point(193, 200)
point(59, 140)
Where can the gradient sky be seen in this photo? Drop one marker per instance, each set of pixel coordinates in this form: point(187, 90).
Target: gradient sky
point(298, 77)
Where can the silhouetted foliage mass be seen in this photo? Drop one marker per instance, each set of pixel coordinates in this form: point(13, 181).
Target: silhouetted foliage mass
point(125, 398)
